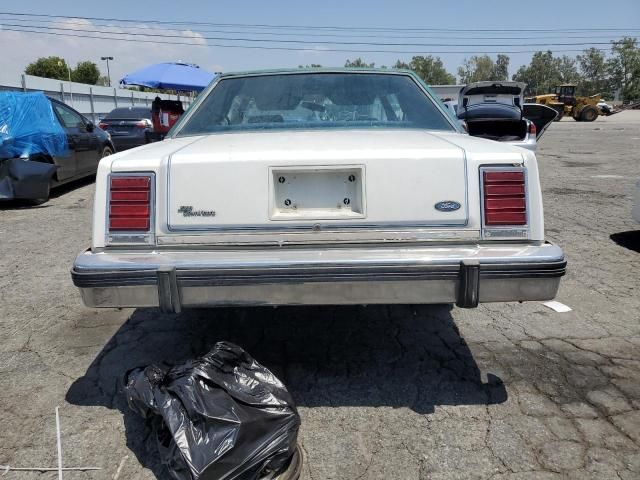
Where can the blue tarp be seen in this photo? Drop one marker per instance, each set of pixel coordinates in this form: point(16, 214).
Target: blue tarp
point(172, 76)
point(29, 126)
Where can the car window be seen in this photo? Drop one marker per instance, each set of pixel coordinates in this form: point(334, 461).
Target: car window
point(70, 119)
point(133, 113)
point(315, 100)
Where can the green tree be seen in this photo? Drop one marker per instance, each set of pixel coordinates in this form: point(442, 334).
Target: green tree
point(501, 70)
point(482, 67)
point(541, 75)
point(358, 63)
point(429, 68)
point(103, 81)
point(49, 67)
point(86, 72)
point(567, 71)
point(624, 68)
point(593, 71)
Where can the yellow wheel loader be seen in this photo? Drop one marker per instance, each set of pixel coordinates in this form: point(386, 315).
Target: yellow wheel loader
point(564, 100)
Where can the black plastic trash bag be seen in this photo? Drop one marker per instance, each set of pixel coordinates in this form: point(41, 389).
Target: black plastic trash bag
point(222, 416)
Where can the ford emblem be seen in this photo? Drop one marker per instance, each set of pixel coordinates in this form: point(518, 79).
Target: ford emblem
point(447, 206)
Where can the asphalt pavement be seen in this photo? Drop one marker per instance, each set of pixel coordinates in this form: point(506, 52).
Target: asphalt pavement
point(504, 391)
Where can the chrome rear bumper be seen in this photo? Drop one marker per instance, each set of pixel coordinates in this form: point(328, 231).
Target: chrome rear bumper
point(464, 274)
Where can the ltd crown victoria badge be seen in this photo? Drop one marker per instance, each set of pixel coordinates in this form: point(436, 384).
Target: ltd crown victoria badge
point(188, 211)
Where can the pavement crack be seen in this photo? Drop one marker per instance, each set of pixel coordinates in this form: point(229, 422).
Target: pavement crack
point(487, 443)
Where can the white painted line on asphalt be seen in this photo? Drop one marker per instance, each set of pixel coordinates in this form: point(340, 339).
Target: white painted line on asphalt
point(607, 176)
point(6, 468)
point(117, 475)
point(59, 443)
point(557, 306)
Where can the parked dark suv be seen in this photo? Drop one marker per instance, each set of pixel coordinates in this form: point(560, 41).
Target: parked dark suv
point(129, 126)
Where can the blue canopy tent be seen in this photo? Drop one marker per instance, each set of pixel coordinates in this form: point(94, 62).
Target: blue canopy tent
point(183, 77)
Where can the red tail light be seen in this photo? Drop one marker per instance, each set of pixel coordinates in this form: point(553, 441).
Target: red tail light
point(130, 204)
point(505, 202)
point(103, 125)
point(532, 129)
point(141, 124)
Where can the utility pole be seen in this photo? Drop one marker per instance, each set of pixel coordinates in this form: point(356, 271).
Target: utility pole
point(108, 73)
point(60, 64)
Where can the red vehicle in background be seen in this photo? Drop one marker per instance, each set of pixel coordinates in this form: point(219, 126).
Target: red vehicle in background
point(164, 115)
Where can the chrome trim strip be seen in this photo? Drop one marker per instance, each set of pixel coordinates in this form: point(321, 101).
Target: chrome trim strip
point(167, 277)
point(323, 237)
point(323, 227)
point(400, 257)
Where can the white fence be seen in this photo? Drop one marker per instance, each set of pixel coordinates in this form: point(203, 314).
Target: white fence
point(446, 92)
point(92, 101)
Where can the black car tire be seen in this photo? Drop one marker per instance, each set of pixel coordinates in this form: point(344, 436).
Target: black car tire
point(106, 151)
point(588, 114)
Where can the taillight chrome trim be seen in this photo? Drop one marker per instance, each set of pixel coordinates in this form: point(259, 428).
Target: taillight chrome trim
point(507, 232)
point(123, 237)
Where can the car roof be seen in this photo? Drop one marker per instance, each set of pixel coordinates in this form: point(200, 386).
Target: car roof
point(393, 71)
point(134, 109)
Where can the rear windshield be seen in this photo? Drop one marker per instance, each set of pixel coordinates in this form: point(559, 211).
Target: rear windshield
point(315, 100)
point(130, 113)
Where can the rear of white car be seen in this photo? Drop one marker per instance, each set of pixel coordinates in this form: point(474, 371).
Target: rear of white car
point(281, 216)
point(496, 111)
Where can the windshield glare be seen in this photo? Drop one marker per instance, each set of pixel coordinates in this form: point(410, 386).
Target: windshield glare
point(315, 100)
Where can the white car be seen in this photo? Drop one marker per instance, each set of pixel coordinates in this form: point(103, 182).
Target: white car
point(605, 107)
point(317, 187)
point(496, 111)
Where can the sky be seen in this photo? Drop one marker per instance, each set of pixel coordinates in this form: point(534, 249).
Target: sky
point(19, 48)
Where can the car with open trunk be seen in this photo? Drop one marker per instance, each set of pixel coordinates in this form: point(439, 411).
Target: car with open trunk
point(321, 186)
point(496, 111)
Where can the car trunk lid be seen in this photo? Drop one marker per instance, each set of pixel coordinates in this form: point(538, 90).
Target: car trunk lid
point(504, 93)
point(122, 126)
point(317, 181)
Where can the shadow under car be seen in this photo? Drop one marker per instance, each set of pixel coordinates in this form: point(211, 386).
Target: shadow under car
point(398, 356)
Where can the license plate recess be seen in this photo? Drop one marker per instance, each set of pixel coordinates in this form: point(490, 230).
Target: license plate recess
point(317, 193)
